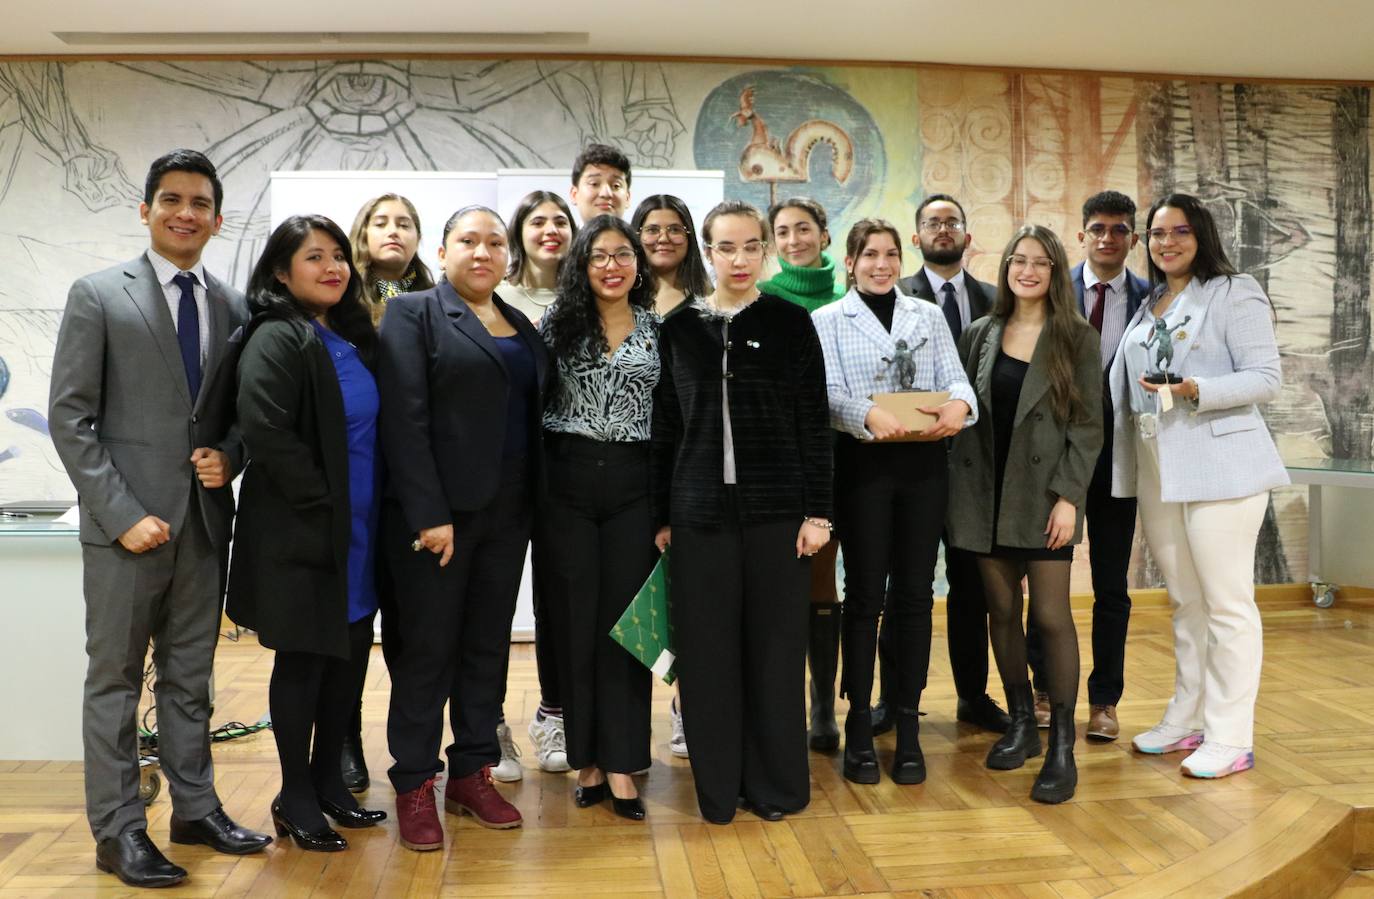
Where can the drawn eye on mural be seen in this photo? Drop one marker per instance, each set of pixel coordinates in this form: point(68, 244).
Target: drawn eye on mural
point(802, 130)
point(764, 159)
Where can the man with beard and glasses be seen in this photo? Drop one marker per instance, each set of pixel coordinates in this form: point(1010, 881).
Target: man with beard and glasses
point(942, 237)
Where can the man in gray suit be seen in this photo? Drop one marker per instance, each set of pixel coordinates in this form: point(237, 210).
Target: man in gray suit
point(141, 412)
point(942, 237)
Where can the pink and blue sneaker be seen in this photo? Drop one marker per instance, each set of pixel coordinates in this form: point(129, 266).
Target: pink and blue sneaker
point(1218, 760)
point(1164, 738)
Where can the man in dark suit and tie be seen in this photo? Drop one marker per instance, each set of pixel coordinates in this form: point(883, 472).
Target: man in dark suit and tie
point(1108, 296)
point(141, 411)
point(942, 237)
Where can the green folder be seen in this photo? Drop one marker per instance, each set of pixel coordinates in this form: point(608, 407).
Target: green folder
point(646, 628)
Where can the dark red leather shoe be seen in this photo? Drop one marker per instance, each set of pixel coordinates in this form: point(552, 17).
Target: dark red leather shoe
point(476, 795)
point(417, 818)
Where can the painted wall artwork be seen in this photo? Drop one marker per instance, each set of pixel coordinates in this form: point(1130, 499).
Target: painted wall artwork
point(1286, 169)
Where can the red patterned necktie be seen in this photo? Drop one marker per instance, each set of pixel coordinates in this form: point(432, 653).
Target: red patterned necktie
point(1095, 319)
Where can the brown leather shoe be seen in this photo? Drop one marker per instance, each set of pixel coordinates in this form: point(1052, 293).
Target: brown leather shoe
point(418, 818)
point(1102, 725)
point(476, 795)
point(1042, 709)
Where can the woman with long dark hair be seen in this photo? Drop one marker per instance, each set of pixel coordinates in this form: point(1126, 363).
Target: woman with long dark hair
point(596, 544)
point(889, 497)
point(1019, 479)
point(304, 558)
point(542, 229)
point(664, 225)
point(1198, 456)
point(386, 240)
point(741, 474)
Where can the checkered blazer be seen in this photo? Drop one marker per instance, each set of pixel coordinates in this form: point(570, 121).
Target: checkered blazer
point(1221, 449)
point(858, 348)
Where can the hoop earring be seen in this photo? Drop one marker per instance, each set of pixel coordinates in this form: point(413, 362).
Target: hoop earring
point(639, 280)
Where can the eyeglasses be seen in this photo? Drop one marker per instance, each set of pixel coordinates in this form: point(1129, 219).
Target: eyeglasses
point(623, 259)
point(674, 233)
point(1018, 261)
point(933, 226)
point(1178, 232)
point(751, 250)
point(1100, 230)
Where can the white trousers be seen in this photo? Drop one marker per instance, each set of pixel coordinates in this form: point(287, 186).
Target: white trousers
point(1206, 552)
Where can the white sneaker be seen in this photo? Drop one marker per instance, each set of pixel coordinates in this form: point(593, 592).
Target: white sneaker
point(550, 745)
point(1164, 738)
point(678, 744)
point(1218, 760)
point(509, 770)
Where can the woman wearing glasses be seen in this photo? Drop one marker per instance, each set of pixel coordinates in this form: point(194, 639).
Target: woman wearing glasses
point(596, 544)
point(664, 225)
point(1019, 479)
point(1197, 456)
point(889, 498)
point(741, 478)
point(806, 276)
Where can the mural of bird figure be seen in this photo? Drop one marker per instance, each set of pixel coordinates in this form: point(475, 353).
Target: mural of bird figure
point(766, 159)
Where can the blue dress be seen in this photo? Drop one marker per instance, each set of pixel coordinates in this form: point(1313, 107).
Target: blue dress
point(361, 404)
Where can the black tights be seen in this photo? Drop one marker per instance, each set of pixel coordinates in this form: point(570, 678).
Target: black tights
point(1049, 607)
point(313, 694)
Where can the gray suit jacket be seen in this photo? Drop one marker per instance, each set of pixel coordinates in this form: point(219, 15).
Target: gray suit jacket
point(1048, 458)
point(121, 414)
point(1221, 449)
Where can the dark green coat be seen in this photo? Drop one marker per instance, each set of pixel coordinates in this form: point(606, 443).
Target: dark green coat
point(1048, 459)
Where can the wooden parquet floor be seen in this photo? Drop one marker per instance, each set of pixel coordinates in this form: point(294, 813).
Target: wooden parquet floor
point(1136, 826)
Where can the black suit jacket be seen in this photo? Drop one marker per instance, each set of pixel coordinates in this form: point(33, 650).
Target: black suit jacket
point(444, 389)
point(980, 294)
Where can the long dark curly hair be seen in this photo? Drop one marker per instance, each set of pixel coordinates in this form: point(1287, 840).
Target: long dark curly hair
point(572, 326)
point(350, 318)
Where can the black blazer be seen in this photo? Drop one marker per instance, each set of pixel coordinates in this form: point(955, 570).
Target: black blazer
point(981, 294)
point(444, 390)
point(288, 579)
point(779, 416)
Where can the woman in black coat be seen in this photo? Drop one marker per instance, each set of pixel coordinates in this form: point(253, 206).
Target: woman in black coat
point(302, 574)
point(741, 479)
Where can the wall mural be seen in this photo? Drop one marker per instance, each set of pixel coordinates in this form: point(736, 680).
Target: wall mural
point(1285, 168)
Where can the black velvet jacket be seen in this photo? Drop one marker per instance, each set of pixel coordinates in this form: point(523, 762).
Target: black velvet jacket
point(779, 419)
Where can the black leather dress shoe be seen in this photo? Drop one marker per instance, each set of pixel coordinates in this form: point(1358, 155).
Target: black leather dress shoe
point(325, 840)
point(586, 797)
point(632, 808)
point(134, 859)
point(354, 765)
point(763, 810)
point(351, 817)
point(983, 712)
point(218, 831)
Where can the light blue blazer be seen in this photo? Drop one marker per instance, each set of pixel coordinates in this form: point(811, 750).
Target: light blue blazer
point(1220, 448)
point(857, 348)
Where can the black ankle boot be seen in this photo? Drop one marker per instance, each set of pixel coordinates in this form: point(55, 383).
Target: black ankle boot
point(1022, 739)
point(354, 766)
point(823, 656)
point(909, 764)
point(1059, 775)
point(860, 761)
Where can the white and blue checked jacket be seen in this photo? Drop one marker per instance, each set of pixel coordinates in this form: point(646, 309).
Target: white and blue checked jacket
point(857, 348)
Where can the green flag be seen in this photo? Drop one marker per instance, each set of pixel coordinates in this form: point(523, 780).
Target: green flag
point(646, 628)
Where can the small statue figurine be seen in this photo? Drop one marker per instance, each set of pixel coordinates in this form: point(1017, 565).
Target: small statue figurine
point(1163, 340)
point(905, 365)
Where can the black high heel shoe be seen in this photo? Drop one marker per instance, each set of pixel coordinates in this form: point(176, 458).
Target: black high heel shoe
point(586, 797)
point(326, 840)
point(632, 808)
point(351, 817)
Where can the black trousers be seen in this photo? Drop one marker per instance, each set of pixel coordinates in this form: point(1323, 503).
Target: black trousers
point(740, 613)
point(546, 663)
point(890, 502)
point(1111, 532)
point(454, 629)
point(594, 551)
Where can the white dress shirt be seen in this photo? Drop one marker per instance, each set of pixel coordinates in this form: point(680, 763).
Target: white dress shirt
point(1113, 316)
point(166, 271)
point(937, 284)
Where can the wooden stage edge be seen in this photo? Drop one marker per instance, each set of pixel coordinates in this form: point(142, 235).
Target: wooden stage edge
point(1300, 824)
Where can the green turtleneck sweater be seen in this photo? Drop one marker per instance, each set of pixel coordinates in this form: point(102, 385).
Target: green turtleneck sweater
point(809, 288)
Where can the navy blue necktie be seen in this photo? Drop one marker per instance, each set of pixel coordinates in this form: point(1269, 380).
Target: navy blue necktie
point(188, 331)
point(951, 307)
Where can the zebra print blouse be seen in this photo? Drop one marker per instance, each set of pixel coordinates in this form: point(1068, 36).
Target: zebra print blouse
point(609, 398)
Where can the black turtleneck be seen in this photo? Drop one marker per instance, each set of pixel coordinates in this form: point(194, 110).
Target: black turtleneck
point(882, 305)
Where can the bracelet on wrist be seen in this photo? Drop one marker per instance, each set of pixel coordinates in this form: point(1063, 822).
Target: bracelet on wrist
point(819, 523)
